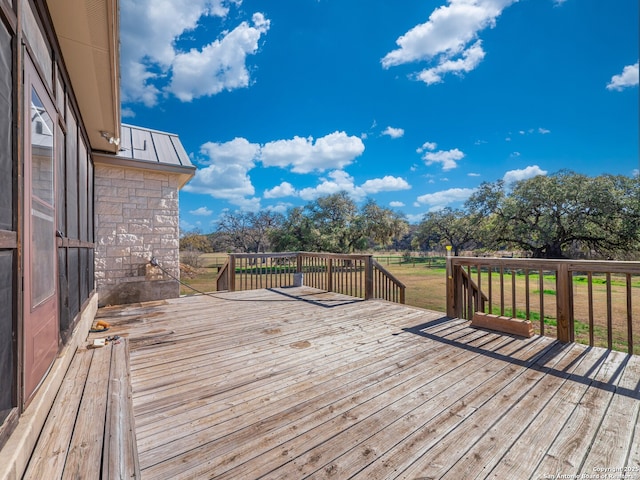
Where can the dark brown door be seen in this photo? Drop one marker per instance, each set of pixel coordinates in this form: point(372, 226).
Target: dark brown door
point(40, 286)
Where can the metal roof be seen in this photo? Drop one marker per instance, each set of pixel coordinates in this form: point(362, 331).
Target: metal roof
point(143, 144)
point(150, 149)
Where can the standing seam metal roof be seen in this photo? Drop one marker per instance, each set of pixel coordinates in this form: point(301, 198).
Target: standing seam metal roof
point(146, 145)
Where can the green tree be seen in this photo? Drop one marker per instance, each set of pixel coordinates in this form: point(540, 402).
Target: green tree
point(195, 241)
point(382, 226)
point(561, 215)
point(296, 233)
point(334, 223)
point(447, 227)
point(249, 231)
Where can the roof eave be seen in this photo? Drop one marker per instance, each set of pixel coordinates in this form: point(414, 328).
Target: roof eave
point(88, 34)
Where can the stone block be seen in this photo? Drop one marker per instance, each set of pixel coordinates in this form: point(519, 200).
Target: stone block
point(128, 239)
point(109, 208)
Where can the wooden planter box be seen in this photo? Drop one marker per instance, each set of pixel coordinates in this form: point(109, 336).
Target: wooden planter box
point(515, 326)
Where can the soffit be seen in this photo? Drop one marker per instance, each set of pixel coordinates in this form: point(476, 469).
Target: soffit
point(88, 34)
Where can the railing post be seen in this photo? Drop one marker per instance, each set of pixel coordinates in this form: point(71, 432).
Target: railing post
point(564, 315)
point(451, 291)
point(298, 262)
point(232, 273)
point(368, 277)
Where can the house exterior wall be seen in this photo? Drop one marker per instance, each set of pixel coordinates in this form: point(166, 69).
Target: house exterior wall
point(136, 218)
point(26, 35)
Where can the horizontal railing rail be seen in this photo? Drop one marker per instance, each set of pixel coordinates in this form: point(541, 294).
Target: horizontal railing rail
point(350, 274)
point(595, 302)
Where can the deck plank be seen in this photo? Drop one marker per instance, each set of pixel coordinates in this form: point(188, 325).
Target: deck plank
point(506, 433)
point(294, 383)
point(394, 420)
point(614, 438)
point(325, 410)
point(50, 454)
point(568, 451)
point(120, 451)
point(84, 459)
point(526, 453)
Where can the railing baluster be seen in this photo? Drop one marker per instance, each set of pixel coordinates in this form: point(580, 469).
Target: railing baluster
point(526, 289)
point(609, 314)
point(514, 311)
point(501, 289)
point(590, 305)
point(489, 279)
point(541, 283)
point(629, 316)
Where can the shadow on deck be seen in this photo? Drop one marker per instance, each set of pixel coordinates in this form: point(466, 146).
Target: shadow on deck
point(291, 383)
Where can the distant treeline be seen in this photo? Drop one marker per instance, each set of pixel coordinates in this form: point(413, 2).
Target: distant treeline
point(564, 215)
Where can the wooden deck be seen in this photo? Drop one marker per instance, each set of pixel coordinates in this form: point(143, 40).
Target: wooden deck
point(295, 383)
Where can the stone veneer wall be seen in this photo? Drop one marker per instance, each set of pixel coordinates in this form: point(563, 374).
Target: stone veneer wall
point(136, 218)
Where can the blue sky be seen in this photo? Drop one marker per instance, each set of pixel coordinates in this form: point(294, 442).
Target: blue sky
point(411, 103)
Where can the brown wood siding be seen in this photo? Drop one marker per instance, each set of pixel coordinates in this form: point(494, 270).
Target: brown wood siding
point(8, 223)
point(6, 130)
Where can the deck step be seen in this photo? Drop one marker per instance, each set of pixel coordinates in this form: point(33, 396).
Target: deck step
point(89, 431)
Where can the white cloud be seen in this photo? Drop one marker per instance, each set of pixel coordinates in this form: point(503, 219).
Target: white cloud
point(396, 204)
point(449, 39)
point(385, 184)
point(543, 131)
point(415, 218)
point(557, 3)
point(393, 132)
point(280, 207)
point(202, 211)
point(523, 174)
point(427, 146)
point(448, 158)
point(443, 198)
point(226, 174)
point(470, 59)
point(628, 78)
point(127, 113)
point(303, 155)
point(238, 151)
point(149, 31)
point(473, 174)
point(285, 189)
point(218, 66)
point(339, 180)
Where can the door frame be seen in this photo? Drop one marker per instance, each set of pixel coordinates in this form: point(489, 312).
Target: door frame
point(33, 83)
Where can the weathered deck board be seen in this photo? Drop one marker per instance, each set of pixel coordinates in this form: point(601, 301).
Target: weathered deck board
point(89, 432)
point(120, 450)
point(53, 445)
point(298, 383)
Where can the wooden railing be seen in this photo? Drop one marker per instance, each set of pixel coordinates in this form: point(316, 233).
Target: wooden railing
point(355, 275)
point(596, 302)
